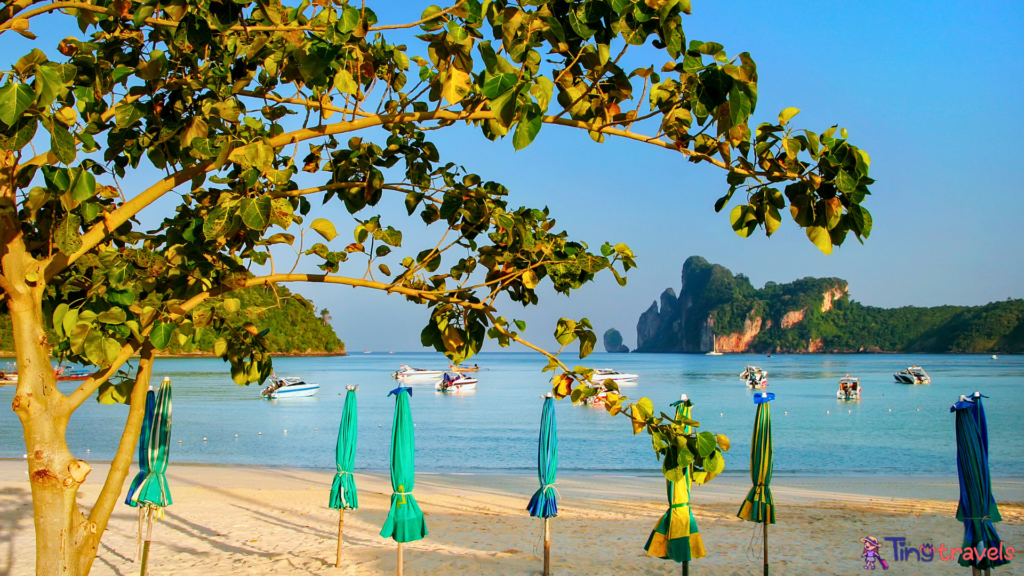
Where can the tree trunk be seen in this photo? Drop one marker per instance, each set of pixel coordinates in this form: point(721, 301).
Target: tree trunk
point(54, 474)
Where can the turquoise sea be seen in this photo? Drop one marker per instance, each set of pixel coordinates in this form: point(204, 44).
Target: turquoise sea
point(895, 430)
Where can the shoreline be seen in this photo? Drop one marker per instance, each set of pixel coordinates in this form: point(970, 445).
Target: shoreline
point(250, 521)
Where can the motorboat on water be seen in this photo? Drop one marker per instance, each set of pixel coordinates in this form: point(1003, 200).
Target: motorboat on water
point(913, 375)
point(289, 387)
point(602, 374)
point(9, 374)
point(849, 388)
point(597, 399)
point(455, 368)
point(755, 377)
point(406, 373)
point(455, 383)
point(66, 373)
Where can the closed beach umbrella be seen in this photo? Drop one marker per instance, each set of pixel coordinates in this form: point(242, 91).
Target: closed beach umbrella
point(544, 503)
point(343, 490)
point(676, 536)
point(152, 492)
point(405, 522)
point(133, 488)
point(759, 505)
point(977, 509)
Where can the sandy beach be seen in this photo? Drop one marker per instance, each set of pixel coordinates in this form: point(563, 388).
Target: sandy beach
point(276, 521)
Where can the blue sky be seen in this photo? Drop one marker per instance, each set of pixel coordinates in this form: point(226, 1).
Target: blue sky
point(932, 90)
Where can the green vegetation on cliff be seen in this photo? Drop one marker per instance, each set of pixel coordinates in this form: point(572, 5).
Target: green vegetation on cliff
point(814, 314)
point(294, 326)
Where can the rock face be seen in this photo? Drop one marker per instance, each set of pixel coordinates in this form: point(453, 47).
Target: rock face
point(613, 341)
point(717, 308)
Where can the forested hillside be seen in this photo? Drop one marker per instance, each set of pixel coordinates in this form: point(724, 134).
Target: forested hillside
point(717, 308)
point(294, 326)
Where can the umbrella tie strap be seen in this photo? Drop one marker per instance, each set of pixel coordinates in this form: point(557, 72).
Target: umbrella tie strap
point(545, 487)
point(980, 518)
point(684, 504)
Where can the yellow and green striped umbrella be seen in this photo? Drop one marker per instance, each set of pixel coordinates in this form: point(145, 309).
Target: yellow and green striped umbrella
point(676, 536)
point(759, 505)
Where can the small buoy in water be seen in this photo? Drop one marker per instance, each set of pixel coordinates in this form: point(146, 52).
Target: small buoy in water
point(236, 435)
point(260, 433)
point(179, 441)
point(314, 429)
point(88, 451)
point(24, 455)
point(890, 409)
point(204, 439)
point(786, 413)
point(918, 409)
point(721, 413)
point(849, 411)
point(285, 431)
point(380, 425)
point(827, 412)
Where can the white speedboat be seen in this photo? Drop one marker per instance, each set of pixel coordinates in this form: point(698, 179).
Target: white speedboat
point(913, 375)
point(406, 373)
point(849, 388)
point(289, 387)
point(456, 383)
point(602, 374)
point(755, 377)
point(597, 399)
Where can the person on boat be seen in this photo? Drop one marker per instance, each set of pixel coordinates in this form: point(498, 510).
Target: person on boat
point(476, 366)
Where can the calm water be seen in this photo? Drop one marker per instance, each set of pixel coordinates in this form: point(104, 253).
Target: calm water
point(495, 428)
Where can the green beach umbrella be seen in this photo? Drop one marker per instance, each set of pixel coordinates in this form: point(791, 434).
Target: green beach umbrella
point(343, 490)
point(759, 506)
point(544, 503)
point(676, 536)
point(977, 508)
point(152, 492)
point(405, 522)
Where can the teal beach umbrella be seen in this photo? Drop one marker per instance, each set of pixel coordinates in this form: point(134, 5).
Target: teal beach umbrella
point(147, 424)
point(152, 493)
point(759, 505)
point(343, 490)
point(544, 503)
point(405, 522)
point(977, 508)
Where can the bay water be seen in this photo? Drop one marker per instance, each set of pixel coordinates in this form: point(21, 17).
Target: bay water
point(895, 430)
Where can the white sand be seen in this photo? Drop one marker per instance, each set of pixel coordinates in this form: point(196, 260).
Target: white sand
point(276, 521)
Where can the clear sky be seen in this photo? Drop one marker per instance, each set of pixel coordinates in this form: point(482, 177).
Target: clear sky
point(931, 90)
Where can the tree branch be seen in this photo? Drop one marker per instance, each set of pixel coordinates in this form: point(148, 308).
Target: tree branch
point(121, 464)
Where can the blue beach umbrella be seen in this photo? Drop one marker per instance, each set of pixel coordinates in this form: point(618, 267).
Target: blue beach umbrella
point(977, 508)
point(149, 490)
point(343, 490)
point(544, 503)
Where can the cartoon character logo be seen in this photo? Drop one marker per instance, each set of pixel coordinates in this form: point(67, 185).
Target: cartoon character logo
point(870, 554)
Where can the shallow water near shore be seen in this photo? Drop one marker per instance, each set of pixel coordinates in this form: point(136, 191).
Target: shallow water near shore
point(895, 430)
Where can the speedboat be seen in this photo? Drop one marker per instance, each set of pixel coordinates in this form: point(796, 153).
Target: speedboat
point(406, 373)
point(455, 383)
point(597, 399)
point(289, 387)
point(849, 388)
point(9, 374)
point(66, 373)
point(746, 372)
point(455, 368)
point(602, 374)
point(756, 377)
point(913, 375)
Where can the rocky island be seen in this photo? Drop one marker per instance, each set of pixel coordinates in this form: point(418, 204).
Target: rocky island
point(714, 306)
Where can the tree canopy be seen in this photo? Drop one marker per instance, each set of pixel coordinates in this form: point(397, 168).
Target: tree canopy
point(231, 100)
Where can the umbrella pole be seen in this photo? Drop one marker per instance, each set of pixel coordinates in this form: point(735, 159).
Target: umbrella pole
point(686, 568)
point(766, 547)
point(400, 571)
point(547, 548)
point(341, 525)
point(145, 544)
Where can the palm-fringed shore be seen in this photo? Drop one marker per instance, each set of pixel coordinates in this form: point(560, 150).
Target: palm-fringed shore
point(233, 520)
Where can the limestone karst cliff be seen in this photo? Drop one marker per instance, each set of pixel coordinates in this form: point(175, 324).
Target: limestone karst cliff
point(714, 306)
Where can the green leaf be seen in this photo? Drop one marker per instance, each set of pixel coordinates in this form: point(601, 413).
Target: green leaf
point(232, 304)
point(83, 184)
point(216, 222)
point(62, 143)
point(325, 228)
point(587, 342)
point(160, 337)
point(122, 297)
point(706, 443)
point(521, 325)
point(220, 347)
point(743, 219)
point(846, 182)
point(65, 236)
point(110, 393)
point(48, 84)
point(528, 127)
point(565, 331)
point(786, 115)
point(344, 83)
point(14, 100)
point(820, 237)
point(498, 84)
point(112, 316)
point(256, 212)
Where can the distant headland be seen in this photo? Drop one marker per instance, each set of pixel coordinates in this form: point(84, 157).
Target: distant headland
point(716, 308)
